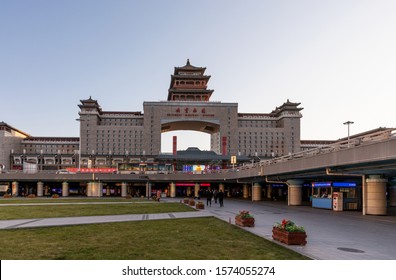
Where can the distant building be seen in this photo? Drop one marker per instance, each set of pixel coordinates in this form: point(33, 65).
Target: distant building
point(10, 143)
point(111, 137)
point(189, 108)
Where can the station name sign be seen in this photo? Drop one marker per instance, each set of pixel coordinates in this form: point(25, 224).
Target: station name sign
point(334, 184)
point(190, 112)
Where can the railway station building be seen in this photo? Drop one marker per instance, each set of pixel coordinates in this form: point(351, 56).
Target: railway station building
point(108, 138)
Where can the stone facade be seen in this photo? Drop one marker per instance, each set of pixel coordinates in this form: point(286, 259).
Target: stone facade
point(232, 133)
point(189, 108)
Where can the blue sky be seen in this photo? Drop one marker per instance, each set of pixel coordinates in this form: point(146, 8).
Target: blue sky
point(337, 58)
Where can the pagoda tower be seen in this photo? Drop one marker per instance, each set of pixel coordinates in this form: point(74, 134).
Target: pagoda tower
point(90, 106)
point(188, 83)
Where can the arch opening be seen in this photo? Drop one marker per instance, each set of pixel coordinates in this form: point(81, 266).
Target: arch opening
point(199, 134)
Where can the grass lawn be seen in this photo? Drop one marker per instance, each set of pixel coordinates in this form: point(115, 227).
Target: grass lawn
point(24, 200)
point(8, 212)
point(185, 239)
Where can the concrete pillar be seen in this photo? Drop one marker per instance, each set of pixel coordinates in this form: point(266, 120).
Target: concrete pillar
point(221, 187)
point(107, 191)
point(40, 188)
point(94, 189)
point(148, 189)
point(256, 195)
point(188, 191)
point(376, 195)
point(172, 189)
point(15, 188)
point(294, 192)
point(245, 191)
point(123, 189)
point(196, 190)
point(269, 191)
point(65, 189)
point(89, 189)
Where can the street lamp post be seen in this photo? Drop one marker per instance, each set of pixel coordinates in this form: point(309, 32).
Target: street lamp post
point(348, 123)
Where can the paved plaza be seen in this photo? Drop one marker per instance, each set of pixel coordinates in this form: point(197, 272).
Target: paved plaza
point(331, 235)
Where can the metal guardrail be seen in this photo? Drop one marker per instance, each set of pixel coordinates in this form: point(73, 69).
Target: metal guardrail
point(337, 146)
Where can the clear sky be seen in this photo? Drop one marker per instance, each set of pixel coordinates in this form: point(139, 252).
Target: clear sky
point(338, 58)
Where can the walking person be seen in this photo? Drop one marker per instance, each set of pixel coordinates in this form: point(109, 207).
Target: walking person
point(209, 196)
point(158, 195)
point(220, 196)
point(215, 194)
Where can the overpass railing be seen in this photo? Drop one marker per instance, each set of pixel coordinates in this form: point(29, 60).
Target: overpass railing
point(365, 139)
point(340, 145)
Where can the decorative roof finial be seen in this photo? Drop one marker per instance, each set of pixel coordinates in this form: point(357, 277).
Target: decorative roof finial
point(188, 62)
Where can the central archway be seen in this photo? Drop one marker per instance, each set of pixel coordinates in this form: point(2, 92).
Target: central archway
point(185, 140)
point(190, 133)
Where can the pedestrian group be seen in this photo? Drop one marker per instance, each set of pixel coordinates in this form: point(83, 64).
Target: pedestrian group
point(215, 196)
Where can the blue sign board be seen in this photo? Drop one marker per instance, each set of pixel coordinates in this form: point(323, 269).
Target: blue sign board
point(344, 184)
point(278, 185)
point(321, 184)
point(334, 184)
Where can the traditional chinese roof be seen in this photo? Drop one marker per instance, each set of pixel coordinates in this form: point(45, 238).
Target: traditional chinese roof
point(191, 90)
point(186, 80)
point(287, 106)
point(89, 103)
point(189, 68)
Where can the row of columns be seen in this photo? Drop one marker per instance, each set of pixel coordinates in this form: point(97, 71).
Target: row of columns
point(96, 189)
point(294, 192)
point(196, 189)
point(93, 189)
point(374, 192)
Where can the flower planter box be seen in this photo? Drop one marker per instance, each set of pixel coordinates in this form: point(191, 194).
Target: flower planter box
point(289, 238)
point(244, 222)
point(200, 206)
point(186, 200)
point(191, 202)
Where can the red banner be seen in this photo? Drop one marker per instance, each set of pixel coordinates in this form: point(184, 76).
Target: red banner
point(92, 170)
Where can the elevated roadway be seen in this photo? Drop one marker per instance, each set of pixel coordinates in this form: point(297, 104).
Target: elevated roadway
point(370, 158)
point(367, 155)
